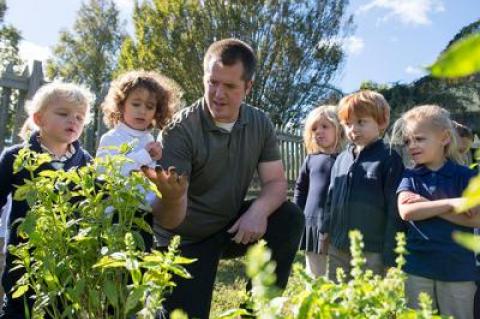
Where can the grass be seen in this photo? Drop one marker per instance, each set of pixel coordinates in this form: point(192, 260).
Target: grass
point(230, 284)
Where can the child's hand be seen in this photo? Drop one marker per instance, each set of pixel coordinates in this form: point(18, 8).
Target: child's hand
point(472, 212)
point(410, 197)
point(155, 150)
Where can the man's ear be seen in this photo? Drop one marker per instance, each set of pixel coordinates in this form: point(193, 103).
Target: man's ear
point(248, 87)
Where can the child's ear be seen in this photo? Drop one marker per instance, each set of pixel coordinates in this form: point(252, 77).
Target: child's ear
point(37, 119)
point(446, 138)
point(383, 125)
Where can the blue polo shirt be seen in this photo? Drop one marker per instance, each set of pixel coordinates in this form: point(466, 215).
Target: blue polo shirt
point(432, 253)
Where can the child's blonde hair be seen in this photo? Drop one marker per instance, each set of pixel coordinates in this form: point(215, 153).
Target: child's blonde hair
point(432, 116)
point(47, 94)
point(167, 95)
point(329, 112)
point(365, 103)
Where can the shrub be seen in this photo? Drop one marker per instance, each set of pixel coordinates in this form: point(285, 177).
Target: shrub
point(83, 253)
point(364, 296)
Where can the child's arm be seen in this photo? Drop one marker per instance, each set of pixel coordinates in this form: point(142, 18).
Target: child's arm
point(6, 180)
point(421, 210)
point(472, 219)
point(463, 219)
point(301, 186)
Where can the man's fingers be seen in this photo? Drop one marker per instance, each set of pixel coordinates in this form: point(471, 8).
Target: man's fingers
point(234, 228)
point(247, 239)
point(149, 172)
point(238, 236)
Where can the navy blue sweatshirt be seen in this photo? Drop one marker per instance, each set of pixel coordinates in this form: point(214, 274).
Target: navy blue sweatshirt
point(362, 196)
point(19, 209)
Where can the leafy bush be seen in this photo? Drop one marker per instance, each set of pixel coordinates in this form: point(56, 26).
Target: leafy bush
point(83, 253)
point(364, 296)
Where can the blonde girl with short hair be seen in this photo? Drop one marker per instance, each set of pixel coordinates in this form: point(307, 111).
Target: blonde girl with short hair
point(56, 118)
point(323, 138)
point(428, 197)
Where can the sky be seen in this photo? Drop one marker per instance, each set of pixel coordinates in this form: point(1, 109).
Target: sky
point(392, 42)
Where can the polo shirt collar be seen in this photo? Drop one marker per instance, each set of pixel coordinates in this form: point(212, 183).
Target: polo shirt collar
point(447, 170)
point(210, 123)
point(369, 148)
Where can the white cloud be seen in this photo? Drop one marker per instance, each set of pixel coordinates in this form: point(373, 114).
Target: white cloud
point(393, 39)
point(125, 6)
point(413, 70)
point(409, 12)
point(353, 45)
point(30, 51)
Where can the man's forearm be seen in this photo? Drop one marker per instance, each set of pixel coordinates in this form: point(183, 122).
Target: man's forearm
point(272, 196)
point(170, 213)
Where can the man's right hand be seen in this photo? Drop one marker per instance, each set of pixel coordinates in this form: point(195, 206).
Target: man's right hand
point(171, 209)
point(169, 183)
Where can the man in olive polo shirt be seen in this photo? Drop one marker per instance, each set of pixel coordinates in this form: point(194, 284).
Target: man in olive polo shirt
point(219, 142)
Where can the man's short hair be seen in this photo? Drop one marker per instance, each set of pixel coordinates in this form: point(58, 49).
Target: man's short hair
point(230, 51)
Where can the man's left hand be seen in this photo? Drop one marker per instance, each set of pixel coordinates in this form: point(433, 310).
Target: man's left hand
point(249, 228)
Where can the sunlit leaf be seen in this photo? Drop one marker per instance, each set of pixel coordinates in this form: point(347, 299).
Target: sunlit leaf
point(467, 240)
point(461, 59)
point(20, 291)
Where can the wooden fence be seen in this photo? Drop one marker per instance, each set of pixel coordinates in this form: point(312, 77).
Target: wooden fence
point(17, 89)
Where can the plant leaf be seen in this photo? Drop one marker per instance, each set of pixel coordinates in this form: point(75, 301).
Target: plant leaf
point(467, 240)
point(111, 292)
point(133, 298)
point(20, 291)
point(461, 59)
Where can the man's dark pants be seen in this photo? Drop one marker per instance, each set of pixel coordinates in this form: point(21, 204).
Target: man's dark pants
point(285, 227)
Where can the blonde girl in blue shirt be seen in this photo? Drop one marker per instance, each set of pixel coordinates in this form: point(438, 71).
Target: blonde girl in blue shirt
point(428, 197)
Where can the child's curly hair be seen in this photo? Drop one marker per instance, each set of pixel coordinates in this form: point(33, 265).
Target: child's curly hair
point(167, 92)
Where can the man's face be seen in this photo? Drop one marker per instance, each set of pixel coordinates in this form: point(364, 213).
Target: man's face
point(225, 90)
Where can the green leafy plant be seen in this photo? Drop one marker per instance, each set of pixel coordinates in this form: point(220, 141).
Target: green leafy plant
point(83, 253)
point(365, 295)
point(461, 59)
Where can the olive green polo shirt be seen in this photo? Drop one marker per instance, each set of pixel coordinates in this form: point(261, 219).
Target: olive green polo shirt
point(220, 165)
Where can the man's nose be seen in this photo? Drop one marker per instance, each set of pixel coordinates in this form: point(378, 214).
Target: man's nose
point(219, 91)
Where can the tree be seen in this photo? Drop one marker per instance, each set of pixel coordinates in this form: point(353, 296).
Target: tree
point(459, 95)
point(89, 53)
point(10, 38)
point(298, 45)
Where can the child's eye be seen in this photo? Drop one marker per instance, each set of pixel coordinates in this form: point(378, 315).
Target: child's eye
point(406, 142)
point(62, 114)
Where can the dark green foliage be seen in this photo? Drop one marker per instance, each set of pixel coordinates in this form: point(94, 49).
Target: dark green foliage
point(298, 45)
